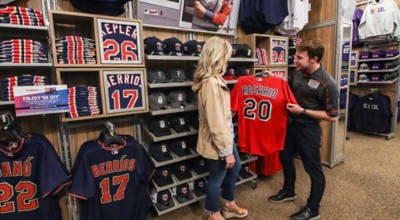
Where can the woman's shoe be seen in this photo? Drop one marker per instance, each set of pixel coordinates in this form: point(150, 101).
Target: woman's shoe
point(233, 211)
point(215, 217)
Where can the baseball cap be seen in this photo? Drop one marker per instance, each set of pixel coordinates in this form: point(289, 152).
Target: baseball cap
point(172, 46)
point(378, 54)
point(199, 165)
point(391, 65)
point(162, 176)
point(159, 127)
point(235, 48)
point(376, 77)
point(183, 193)
point(153, 46)
point(243, 50)
point(192, 48)
point(366, 55)
point(181, 171)
point(377, 66)
point(192, 98)
point(245, 172)
point(178, 123)
point(164, 200)
point(180, 148)
point(364, 66)
point(363, 77)
point(110, 7)
point(199, 187)
point(390, 76)
point(230, 73)
point(176, 75)
point(190, 72)
point(160, 152)
point(157, 101)
point(156, 76)
point(242, 71)
point(177, 99)
point(391, 53)
point(387, 76)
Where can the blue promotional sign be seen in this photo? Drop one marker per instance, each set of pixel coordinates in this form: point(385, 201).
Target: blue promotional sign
point(38, 100)
point(125, 91)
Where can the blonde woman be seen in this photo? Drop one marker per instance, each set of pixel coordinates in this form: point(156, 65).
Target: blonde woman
point(215, 141)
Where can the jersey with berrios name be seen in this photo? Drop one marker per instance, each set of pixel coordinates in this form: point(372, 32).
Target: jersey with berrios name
point(30, 174)
point(112, 180)
point(260, 103)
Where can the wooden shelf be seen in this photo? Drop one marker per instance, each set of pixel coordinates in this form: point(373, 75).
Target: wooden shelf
point(25, 65)
point(168, 137)
point(13, 30)
point(379, 71)
point(378, 82)
point(195, 58)
point(190, 107)
point(379, 59)
point(6, 102)
point(169, 84)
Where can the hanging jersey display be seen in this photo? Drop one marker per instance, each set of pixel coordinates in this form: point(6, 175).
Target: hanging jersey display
point(111, 180)
point(260, 103)
point(31, 172)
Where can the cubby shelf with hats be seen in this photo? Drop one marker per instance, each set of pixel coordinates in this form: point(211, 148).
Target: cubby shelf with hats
point(24, 58)
point(378, 77)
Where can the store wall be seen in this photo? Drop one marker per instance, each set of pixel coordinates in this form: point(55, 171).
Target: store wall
point(322, 11)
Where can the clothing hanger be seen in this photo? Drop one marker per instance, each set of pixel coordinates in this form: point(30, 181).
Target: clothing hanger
point(266, 73)
point(10, 132)
point(109, 136)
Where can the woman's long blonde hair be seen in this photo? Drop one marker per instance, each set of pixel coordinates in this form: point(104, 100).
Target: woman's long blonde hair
point(213, 60)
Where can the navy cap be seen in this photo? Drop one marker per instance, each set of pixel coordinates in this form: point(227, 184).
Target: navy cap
point(391, 65)
point(181, 171)
point(235, 48)
point(193, 120)
point(160, 152)
point(162, 176)
point(192, 48)
point(159, 127)
point(190, 72)
point(363, 77)
point(178, 123)
point(176, 75)
point(183, 193)
point(173, 46)
point(177, 99)
point(109, 7)
point(242, 71)
point(156, 76)
point(157, 101)
point(164, 200)
point(244, 51)
point(153, 46)
point(199, 187)
point(199, 165)
point(230, 73)
point(180, 148)
point(192, 98)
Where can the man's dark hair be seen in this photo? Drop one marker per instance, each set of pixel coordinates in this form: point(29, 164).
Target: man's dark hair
point(314, 47)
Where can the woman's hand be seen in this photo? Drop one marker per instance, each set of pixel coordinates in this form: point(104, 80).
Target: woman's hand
point(230, 161)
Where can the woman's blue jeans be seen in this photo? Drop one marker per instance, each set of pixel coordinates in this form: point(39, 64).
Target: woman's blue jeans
point(221, 182)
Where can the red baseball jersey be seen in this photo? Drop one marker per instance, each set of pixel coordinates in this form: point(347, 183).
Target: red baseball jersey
point(260, 103)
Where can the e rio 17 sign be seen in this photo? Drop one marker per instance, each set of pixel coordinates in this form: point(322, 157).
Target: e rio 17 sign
point(278, 51)
point(125, 90)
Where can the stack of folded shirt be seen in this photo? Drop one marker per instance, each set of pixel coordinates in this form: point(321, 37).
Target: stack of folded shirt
point(75, 50)
point(23, 51)
point(84, 101)
point(262, 56)
point(21, 16)
point(8, 83)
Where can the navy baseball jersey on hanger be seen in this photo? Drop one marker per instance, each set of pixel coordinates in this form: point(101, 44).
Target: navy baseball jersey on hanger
point(111, 180)
point(30, 174)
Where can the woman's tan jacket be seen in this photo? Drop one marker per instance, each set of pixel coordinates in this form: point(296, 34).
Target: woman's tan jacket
point(215, 127)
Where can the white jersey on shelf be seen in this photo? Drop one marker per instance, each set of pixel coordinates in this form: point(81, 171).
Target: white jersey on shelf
point(297, 18)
